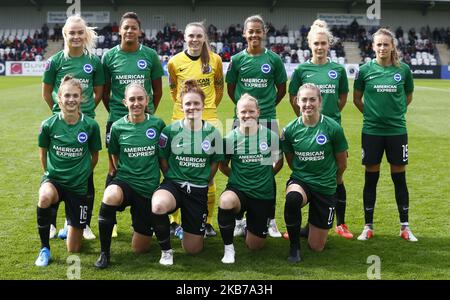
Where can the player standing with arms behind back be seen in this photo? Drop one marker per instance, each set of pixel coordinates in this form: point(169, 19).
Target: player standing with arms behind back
point(259, 72)
point(387, 87)
point(331, 78)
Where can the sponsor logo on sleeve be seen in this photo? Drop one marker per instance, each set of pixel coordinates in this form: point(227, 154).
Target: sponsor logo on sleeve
point(162, 140)
point(48, 64)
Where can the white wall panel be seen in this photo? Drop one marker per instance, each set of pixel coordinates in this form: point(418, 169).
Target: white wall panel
point(222, 17)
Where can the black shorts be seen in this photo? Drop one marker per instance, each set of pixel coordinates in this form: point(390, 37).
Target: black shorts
point(108, 133)
point(257, 211)
point(76, 206)
point(373, 147)
point(321, 207)
point(141, 208)
point(193, 203)
point(272, 125)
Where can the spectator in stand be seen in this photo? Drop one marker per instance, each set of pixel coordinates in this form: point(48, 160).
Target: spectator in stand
point(115, 28)
point(45, 30)
point(270, 29)
point(57, 33)
point(399, 32)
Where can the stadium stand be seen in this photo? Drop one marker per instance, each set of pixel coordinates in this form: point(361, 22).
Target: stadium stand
point(291, 45)
point(22, 44)
point(417, 48)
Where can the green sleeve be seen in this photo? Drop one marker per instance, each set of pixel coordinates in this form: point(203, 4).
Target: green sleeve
point(359, 83)
point(280, 74)
point(44, 136)
point(409, 83)
point(228, 145)
point(218, 147)
point(276, 147)
point(99, 75)
point(157, 70)
point(106, 72)
point(95, 142)
point(296, 82)
point(165, 143)
point(286, 145)
point(232, 72)
point(114, 147)
point(339, 141)
point(49, 76)
point(343, 82)
point(160, 127)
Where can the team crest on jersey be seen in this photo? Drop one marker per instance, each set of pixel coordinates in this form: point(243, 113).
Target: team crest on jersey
point(265, 68)
point(263, 146)
point(142, 64)
point(150, 133)
point(88, 68)
point(82, 137)
point(162, 140)
point(397, 77)
point(321, 139)
point(332, 74)
point(206, 145)
point(209, 70)
point(48, 64)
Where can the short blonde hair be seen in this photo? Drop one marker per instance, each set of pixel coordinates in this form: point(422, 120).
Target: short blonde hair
point(248, 97)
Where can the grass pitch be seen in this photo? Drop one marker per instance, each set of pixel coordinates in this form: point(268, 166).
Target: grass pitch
point(22, 110)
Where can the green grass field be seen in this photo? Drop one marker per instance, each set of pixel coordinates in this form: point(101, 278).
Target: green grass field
point(22, 110)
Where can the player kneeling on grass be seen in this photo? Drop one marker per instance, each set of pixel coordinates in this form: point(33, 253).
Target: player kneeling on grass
point(254, 152)
point(133, 146)
point(190, 151)
point(316, 151)
point(69, 142)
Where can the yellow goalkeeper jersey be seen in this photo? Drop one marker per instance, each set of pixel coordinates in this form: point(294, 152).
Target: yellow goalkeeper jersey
point(182, 67)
